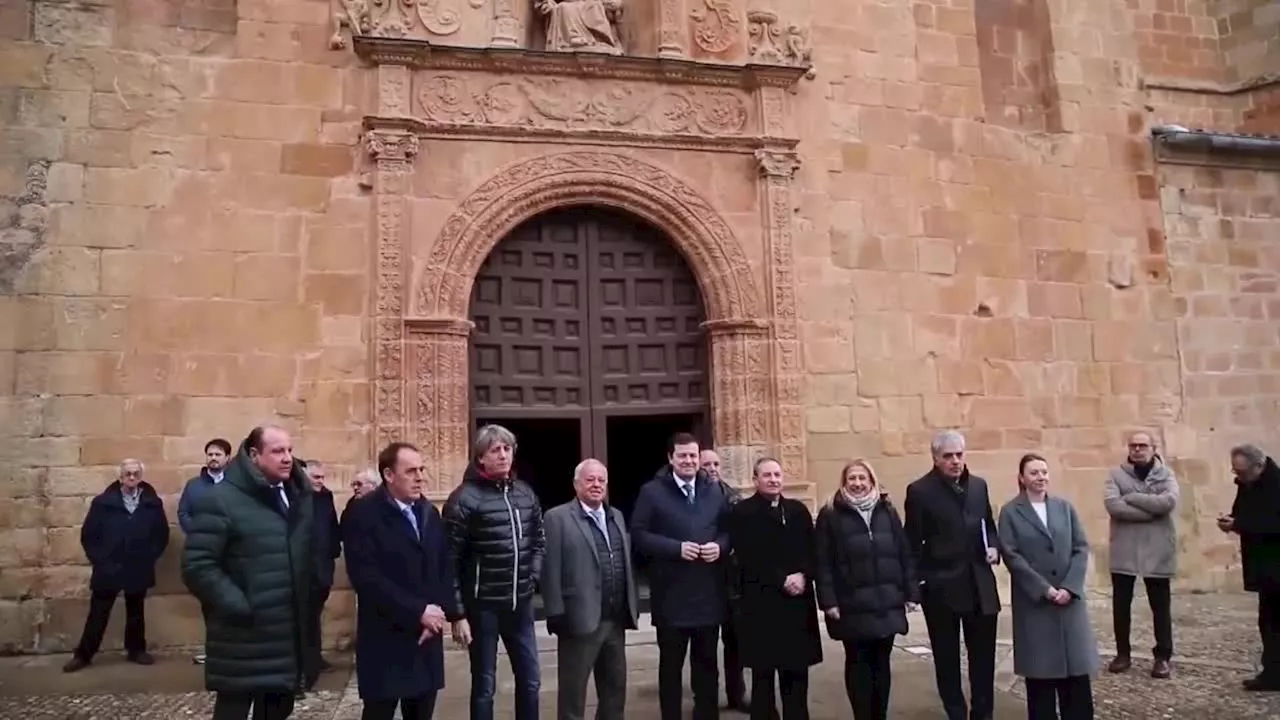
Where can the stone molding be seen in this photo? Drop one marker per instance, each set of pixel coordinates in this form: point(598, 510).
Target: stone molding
point(420, 328)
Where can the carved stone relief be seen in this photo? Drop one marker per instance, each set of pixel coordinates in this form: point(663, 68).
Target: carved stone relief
point(396, 18)
point(581, 25)
point(717, 26)
point(772, 45)
point(572, 103)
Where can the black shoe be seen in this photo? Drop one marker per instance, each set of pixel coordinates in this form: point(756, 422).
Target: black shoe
point(142, 658)
point(1262, 683)
point(74, 664)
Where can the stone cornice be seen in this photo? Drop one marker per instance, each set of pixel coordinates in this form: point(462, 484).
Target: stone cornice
point(419, 54)
point(743, 144)
point(1201, 87)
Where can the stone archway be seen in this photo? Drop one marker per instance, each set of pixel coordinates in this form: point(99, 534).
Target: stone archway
point(745, 412)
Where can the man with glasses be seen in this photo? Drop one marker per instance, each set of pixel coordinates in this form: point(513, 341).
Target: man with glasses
point(1141, 497)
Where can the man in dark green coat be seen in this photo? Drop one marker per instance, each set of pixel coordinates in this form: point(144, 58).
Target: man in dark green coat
point(248, 561)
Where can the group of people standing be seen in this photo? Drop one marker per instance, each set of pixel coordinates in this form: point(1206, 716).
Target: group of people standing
point(262, 536)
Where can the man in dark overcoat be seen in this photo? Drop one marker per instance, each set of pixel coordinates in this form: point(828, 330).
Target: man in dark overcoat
point(778, 636)
point(327, 547)
point(399, 565)
point(1255, 517)
point(248, 560)
point(735, 688)
point(679, 526)
point(124, 534)
point(954, 544)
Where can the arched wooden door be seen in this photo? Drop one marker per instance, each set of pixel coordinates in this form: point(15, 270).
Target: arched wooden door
point(585, 317)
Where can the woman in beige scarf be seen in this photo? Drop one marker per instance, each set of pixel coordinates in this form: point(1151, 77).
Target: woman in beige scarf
point(865, 581)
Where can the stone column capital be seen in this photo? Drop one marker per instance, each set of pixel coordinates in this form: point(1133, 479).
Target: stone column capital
point(777, 163)
point(391, 145)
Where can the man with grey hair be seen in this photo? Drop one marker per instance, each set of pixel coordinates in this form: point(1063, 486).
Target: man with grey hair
point(589, 593)
point(124, 534)
point(1141, 496)
point(1255, 517)
point(494, 526)
point(362, 483)
point(952, 538)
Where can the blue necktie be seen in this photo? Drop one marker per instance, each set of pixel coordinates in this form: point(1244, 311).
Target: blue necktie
point(688, 492)
point(413, 521)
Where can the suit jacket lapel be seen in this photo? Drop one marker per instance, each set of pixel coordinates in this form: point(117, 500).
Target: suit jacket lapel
point(616, 515)
point(584, 524)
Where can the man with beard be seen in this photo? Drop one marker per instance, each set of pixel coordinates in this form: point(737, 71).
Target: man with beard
point(680, 525)
point(216, 454)
point(496, 538)
point(248, 562)
point(953, 542)
point(1141, 496)
point(735, 688)
point(1255, 517)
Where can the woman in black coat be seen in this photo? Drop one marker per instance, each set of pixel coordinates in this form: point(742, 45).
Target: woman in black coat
point(865, 581)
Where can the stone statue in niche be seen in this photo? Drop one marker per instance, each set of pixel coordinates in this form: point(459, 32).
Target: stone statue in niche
point(582, 25)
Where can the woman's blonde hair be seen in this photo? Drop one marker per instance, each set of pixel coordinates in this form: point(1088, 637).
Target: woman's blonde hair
point(862, 463)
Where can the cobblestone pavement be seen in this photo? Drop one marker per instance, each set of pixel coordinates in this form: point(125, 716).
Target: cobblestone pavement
point(1215, 635)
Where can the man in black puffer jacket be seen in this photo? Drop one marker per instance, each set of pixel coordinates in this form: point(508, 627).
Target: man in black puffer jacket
point(495, 533)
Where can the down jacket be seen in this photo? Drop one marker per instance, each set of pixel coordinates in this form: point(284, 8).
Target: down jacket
point(250, 566)
point(497, 540)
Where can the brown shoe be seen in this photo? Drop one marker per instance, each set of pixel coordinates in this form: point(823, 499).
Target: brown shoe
point(74, 664)
point(1120, 664)
point(1161, 670)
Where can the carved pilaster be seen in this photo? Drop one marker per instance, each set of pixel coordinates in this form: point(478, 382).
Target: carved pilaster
point(673, 30)
point(393, 153)
point(777, 168)
point(508, 24)
point(739, 369)
point(393, 91)
point(773, 112)
point(440, 416)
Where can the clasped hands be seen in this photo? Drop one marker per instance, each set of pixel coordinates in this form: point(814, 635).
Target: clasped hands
point(706, 552)
point(1058, 596)
point(432, 622)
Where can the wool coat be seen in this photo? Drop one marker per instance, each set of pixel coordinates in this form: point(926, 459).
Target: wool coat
point(1144, 536)
point(123, 546)
point(1257, 521)
point(1049, 641)
point(775, 630)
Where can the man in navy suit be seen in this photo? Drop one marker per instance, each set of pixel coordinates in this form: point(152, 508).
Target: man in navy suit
point(398, 562)
point(679, 525)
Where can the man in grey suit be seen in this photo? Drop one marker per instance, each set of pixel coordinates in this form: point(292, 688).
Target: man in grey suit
point(589, 594)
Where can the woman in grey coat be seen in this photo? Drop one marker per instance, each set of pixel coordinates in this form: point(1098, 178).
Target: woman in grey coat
point(1047, 555)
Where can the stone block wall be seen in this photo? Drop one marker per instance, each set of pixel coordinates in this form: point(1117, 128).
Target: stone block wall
point(185, 251)
point(182, 255)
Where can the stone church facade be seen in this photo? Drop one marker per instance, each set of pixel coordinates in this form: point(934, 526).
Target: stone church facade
point(1045, 223)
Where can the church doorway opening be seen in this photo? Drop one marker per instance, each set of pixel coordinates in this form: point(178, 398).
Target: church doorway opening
point(588, 342)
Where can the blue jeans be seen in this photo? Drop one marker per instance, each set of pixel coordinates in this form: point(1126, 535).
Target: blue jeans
point(516, 629)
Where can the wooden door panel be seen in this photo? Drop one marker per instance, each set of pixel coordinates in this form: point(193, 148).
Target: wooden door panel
point(528, 304)
point(646, 316)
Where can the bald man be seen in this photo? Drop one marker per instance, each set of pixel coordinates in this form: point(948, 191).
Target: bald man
point(589, 592)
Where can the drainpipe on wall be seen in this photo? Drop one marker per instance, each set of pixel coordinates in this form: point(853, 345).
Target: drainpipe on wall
point(1176, 138)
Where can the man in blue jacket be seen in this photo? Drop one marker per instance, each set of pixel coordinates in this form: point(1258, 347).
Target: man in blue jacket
point(679, 525)
point(217, 452)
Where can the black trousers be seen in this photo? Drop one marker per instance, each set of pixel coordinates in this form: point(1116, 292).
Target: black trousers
point(734, 684)
point(319, 596)
point(95, 625)
point(980, 643)
point(1060, 699)
point(264, 706)
point(1269, 629)
point(868, 677)
point(418, 708)
point(699, 643)
point(794, 685)
point(1159, 597)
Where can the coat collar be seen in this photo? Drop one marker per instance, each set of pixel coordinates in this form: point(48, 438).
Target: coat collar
point(1023, 505)
point(114, 494)
point(390, 508)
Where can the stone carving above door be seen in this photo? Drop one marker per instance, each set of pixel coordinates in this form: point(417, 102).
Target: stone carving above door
point(565, 103)
point(773, 45)
point(581, 25)
point(717, 26)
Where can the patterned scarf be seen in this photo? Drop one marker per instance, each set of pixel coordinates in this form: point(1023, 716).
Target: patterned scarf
point(864, 504)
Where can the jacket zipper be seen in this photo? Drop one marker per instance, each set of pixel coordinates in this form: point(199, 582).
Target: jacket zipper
point(476, 593)
point(516, 537)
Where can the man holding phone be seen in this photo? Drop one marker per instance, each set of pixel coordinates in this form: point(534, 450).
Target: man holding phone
point(679, 524)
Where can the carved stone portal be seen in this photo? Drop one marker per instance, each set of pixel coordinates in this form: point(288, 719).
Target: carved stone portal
point(581, 25)
point(738, 115)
